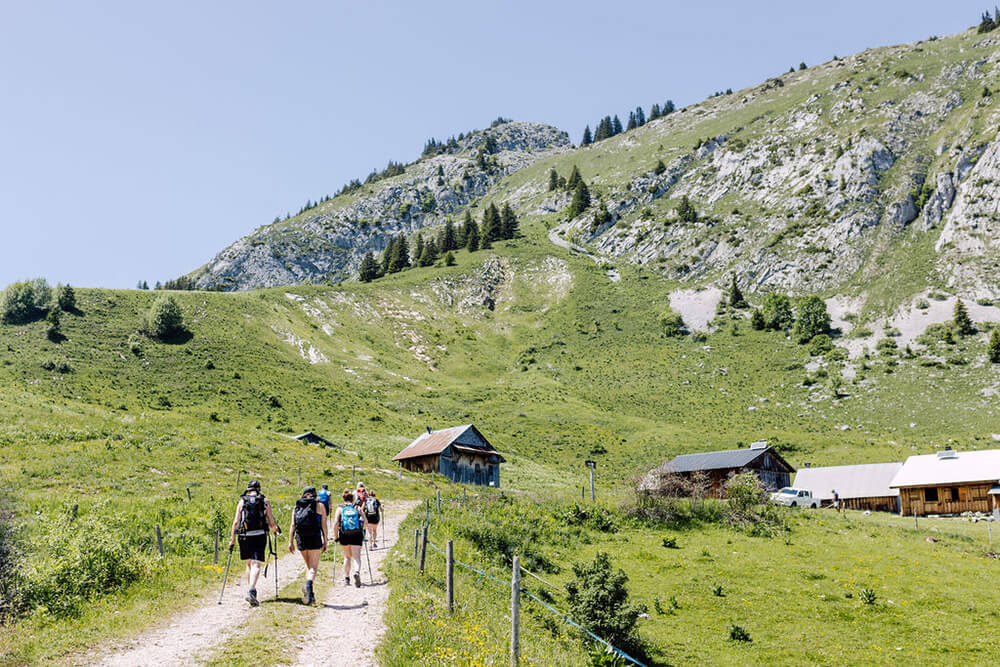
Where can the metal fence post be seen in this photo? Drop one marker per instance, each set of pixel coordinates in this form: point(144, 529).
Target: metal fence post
point(416, 544)
point(159, 539)
point(515, 613)
point(450, 575)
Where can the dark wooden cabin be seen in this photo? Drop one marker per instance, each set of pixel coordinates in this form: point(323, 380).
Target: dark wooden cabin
point(460, 453)
point(949, 482)
point(717, 467)
point(314, 439)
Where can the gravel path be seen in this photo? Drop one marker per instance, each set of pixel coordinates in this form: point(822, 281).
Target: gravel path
point(349, 624)
point(203, 627)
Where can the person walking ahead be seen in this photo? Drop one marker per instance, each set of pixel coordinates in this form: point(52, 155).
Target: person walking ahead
point(309, 531)
point(373, 515)
point(349, 530)
point(250, 525)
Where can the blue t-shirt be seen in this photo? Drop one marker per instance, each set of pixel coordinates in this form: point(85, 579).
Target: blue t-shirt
point(324, 497)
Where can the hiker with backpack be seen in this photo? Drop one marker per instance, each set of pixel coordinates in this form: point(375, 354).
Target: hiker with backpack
point(360, 495)
point(373, 514)
point(324, 497)
point(349, 530)
point(252, 521)
point(309, 531)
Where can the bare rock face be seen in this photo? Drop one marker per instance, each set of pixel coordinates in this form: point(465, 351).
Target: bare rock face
point(327, 243)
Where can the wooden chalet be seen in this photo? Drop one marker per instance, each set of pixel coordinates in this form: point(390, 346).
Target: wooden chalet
point(460, 453)
point(717, 467)
point(860, 487)
point(949, 482)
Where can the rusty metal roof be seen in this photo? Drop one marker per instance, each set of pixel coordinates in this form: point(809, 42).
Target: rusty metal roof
point(436, 442)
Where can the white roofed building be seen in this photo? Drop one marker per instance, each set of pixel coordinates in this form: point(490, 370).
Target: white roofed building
point(949, 482)
point(860, 487)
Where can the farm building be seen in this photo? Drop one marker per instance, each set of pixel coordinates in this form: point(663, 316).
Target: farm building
point(860, 487)
point(314, 439)
point(460, 453)
point(949, 482)
point(717, 467)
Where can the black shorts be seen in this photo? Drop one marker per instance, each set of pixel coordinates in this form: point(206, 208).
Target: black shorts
point(372, 519)
point(253, 547)
point(351, 539)
point(308, 542)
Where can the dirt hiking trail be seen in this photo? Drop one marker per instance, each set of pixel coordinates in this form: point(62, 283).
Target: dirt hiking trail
point(345, 631)
point(349, 625)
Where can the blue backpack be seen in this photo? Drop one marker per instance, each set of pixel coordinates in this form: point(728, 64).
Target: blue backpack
point(350, 520)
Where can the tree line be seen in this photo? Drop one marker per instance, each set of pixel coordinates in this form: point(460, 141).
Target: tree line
point(611, 126)
point(496, 225)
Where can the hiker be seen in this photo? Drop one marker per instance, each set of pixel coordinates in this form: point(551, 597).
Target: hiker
point(309, 531)
point(349, 530)
point(360, 495)
point(836, 500)
point(324, 497)
point(373, 514)
point(252, 521)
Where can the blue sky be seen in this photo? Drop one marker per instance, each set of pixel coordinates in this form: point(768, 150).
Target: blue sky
point(138, 139)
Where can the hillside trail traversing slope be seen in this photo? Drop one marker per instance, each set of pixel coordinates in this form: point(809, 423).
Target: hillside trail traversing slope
point(554, 237)
point(350, 624)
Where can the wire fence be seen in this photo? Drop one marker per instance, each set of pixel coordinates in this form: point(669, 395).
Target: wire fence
point(482, 574)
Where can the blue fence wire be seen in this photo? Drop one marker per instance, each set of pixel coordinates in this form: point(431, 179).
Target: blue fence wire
point(555, 611)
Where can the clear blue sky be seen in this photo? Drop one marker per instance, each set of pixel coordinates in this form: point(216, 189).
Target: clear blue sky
point(137, 139)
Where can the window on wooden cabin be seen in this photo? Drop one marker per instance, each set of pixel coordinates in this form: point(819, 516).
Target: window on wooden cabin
point(930, 495)
point(954, 493)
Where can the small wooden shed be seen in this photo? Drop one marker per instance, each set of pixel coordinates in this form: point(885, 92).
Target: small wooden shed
point(773, 470)
point(860, 487)
point(460, 453)
point(949, 482)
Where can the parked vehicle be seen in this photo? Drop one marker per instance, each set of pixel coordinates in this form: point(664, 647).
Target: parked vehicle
point(793, 497)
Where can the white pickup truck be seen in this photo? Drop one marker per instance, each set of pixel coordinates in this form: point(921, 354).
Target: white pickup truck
point(795, 498)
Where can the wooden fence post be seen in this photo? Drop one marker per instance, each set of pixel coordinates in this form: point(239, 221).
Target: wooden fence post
point(515, 613)
point(159, 539)
point(450, 575)
point(298, 478)
point(423, 549)
point(238, 475)
point(416, 544)
point(989, 530)
point(189, 493)
point(439, 501)
point(215, 557)
point(914, 519)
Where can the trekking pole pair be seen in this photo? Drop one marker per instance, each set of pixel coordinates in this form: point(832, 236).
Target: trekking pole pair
point(371, 577)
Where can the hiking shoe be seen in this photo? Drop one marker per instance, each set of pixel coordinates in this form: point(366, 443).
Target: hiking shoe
point(357, 580)
point(252, 598)
point(374, 545)
point(347, 581)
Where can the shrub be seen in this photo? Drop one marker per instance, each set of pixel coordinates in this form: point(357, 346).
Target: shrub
point(922, 304)
point(868, 596)
point(11, 562)
point(672, 323)
point(748, 508)
point(718, 592)
point(66, 298)
point(25, 301)
point(738, 634)
point(670, 542)
point(813, 319)
point(820, 344)
point(164, 318)
point(777, 311)
point(599, 601)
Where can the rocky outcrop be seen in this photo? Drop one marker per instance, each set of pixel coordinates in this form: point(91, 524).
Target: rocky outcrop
point(326, 243)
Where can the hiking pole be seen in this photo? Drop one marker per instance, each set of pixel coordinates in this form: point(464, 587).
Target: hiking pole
point(226, 576)
point(371, 577)
point(274, 552)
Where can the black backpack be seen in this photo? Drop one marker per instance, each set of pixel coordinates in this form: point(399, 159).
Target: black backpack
point(371, 508)
point(254, 513)
point(306, 518)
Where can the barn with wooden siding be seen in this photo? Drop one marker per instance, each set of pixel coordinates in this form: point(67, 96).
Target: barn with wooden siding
point(949, 482)
point(860, 487)
point(460, 453)
point(717, 467)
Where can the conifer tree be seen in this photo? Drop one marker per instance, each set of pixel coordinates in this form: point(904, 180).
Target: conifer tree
point(587, 138)
point(508, 222)
point(757, 320)
point(802, 66)
point(553, 180)
point(640, 116)
point(994, 346)
point(632, 123)
point(471, 233)
point(400, 258)
point(654, 112)
point(659, 168)
point(668, 107)
point(387, 256)
point(449, 258)
point(490, 230)
point(369, 268)
point(616, 126)
point(960, 319)
point(428, 254)
point(574, 178)
point(418, 248)
point(581, 200)
point(736, 299)
point(448, 241)
point(66, 298)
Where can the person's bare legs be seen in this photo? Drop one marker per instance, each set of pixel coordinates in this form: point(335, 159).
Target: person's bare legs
point(373, 534)
point(347, 561)
point(253, 573)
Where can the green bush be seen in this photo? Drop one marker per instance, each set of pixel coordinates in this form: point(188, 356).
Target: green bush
point(748, 507)
point(599, 601)
point(813, 319)
point(66, 298)
point(777, 311)
point(820, 344)
point(11, 584)
point(164, 318)
point(25, 301)
point(672, 323)
point(78, 559)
